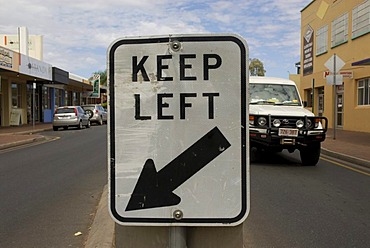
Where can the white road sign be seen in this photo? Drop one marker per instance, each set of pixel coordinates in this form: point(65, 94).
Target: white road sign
point(178, 135)
point(338, 79)
point(334, 61)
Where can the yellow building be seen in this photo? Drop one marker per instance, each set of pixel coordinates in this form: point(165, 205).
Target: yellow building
point(335, 37)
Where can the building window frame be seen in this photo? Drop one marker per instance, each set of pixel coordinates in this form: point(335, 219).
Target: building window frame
point(322, 40)
point(339, 30)
point(308, 97)
point(58, 98)
point(363, 92)
point(46, 97)
point(361, 19)
point(16, 95)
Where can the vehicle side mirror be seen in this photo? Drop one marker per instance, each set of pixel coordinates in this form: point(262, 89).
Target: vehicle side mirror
point(305, 104)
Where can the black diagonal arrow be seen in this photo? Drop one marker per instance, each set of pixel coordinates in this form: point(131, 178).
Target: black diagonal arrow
point(154, 189)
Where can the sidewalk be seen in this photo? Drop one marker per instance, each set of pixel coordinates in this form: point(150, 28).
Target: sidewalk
point(21, 135)
point(353, 147)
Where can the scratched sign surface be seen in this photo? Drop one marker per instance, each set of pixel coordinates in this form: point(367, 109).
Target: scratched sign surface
point(177, 130)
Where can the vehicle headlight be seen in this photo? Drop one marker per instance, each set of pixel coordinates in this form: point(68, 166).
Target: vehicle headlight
point(309, 123)
point(251, 120)
point(276, 123)
point(299, 123)
point(317, 122)
point(262, 121)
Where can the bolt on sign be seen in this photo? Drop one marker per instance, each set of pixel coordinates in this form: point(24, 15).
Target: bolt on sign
point(177, 130)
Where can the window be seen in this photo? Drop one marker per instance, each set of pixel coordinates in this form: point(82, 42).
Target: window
point(58, 97)
point(322, 40)
point(363, 91)
point(339, 30)
point(308, 97)
point(16, 95)
point(46, 97)
point(361, 19)
point(67, 99)
point(74, 97)
point(273, 93)
point(65, 111)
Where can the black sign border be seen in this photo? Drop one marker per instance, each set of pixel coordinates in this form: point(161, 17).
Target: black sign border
point(243, 76)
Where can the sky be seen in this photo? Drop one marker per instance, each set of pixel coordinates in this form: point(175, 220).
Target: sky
point(77, 33)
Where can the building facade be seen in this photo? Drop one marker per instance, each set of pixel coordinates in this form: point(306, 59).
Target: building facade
point(30, 89)
point(335, 49)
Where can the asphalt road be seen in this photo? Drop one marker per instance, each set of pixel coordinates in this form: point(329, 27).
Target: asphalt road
point(49, 192)
point(296, 206)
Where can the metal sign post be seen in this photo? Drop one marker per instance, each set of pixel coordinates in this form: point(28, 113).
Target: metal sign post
point(178, 132)
point(335, 97)
point(33, 103)
point(334, 64)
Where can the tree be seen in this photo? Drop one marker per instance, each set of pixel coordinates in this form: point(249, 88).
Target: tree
point(256, 68)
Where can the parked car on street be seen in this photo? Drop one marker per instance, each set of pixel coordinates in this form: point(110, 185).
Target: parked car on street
point(70, 116)
point(96, 112)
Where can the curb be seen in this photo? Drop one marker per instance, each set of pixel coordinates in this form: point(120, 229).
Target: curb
point(347, 158)
point(34, 131)
point(101, 234)
point(22, 142)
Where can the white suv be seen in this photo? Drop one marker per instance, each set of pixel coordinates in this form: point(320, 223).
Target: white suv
point(278, 120)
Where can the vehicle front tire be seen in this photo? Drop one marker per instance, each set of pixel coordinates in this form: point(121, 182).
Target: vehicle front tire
point(55, 128)
point(310, 155)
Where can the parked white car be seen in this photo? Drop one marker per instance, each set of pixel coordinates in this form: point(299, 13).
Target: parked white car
point(70, 116)
point(96, 112)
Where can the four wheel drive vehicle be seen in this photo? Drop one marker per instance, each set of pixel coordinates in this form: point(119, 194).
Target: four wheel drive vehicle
point(96, 112)
point(278, 120)
point(70, 116)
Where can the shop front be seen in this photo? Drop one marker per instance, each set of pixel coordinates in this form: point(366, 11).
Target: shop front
point(31, 89)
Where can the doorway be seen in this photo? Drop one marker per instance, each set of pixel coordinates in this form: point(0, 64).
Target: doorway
point(340, 108)
point(33, 104)
point(320, 100)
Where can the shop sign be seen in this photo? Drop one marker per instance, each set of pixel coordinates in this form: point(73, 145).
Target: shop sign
point(35, 68)
point(96, 86)
point(6, 58)
point(308, 51)
point(345, 74)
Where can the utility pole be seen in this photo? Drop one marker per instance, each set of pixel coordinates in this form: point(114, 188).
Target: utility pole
point(335, 98)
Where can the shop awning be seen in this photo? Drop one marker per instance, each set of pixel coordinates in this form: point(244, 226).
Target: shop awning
point(362, 62)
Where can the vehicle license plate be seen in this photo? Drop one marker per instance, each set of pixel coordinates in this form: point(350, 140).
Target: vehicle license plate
point(288, 132)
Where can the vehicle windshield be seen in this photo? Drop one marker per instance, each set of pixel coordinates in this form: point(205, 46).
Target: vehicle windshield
point(88, 107)
point(273, 94)
point(65, 110)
